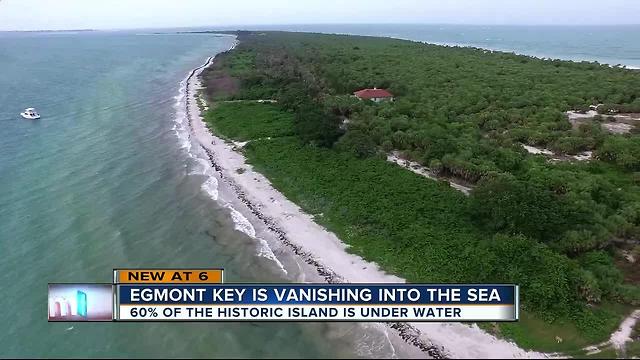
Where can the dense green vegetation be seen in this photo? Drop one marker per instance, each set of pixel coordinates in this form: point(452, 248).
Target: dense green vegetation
point(554, 228)
point(633, 349)
point(251, 120)
point(532, 332)
point(413, 227)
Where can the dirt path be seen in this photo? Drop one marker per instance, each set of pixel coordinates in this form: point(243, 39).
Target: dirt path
point(426, 172)
point(619, 338)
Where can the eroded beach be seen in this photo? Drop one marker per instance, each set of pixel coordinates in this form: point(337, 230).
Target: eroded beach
point(320, 254)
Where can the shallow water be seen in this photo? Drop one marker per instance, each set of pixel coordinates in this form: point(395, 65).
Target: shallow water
point(104, 180)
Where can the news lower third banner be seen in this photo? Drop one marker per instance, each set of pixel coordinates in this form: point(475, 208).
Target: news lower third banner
point(201, 295)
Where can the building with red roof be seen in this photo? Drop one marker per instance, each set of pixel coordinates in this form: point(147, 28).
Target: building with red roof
point(374, 94)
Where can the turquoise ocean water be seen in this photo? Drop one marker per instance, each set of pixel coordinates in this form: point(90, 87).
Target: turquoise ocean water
point(103, 180)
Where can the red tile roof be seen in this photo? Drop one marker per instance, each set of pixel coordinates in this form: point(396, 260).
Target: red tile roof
point(372, 93)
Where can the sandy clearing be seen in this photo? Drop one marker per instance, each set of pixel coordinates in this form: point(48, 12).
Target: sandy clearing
point(424, 171)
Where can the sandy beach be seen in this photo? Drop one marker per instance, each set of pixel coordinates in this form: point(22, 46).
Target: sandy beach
point(321, 251)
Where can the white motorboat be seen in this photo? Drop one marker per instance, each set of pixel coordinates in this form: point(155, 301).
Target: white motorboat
point(30, 114)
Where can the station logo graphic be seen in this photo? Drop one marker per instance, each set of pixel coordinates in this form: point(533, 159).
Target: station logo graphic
point(80, 302)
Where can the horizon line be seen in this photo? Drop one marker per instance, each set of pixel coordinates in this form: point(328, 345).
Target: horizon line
point(239, 26)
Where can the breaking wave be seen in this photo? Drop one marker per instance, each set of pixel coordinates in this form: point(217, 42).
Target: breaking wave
point(198, 164)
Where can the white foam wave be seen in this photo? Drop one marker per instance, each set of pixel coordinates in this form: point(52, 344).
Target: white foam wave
point(211, 187)
point(266, 252)
point(203, 167)
point(181, 122)
point(243, 225)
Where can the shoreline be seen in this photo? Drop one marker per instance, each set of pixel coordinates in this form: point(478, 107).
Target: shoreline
point(322, 250)
point(516, 52)
point(469, 44)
